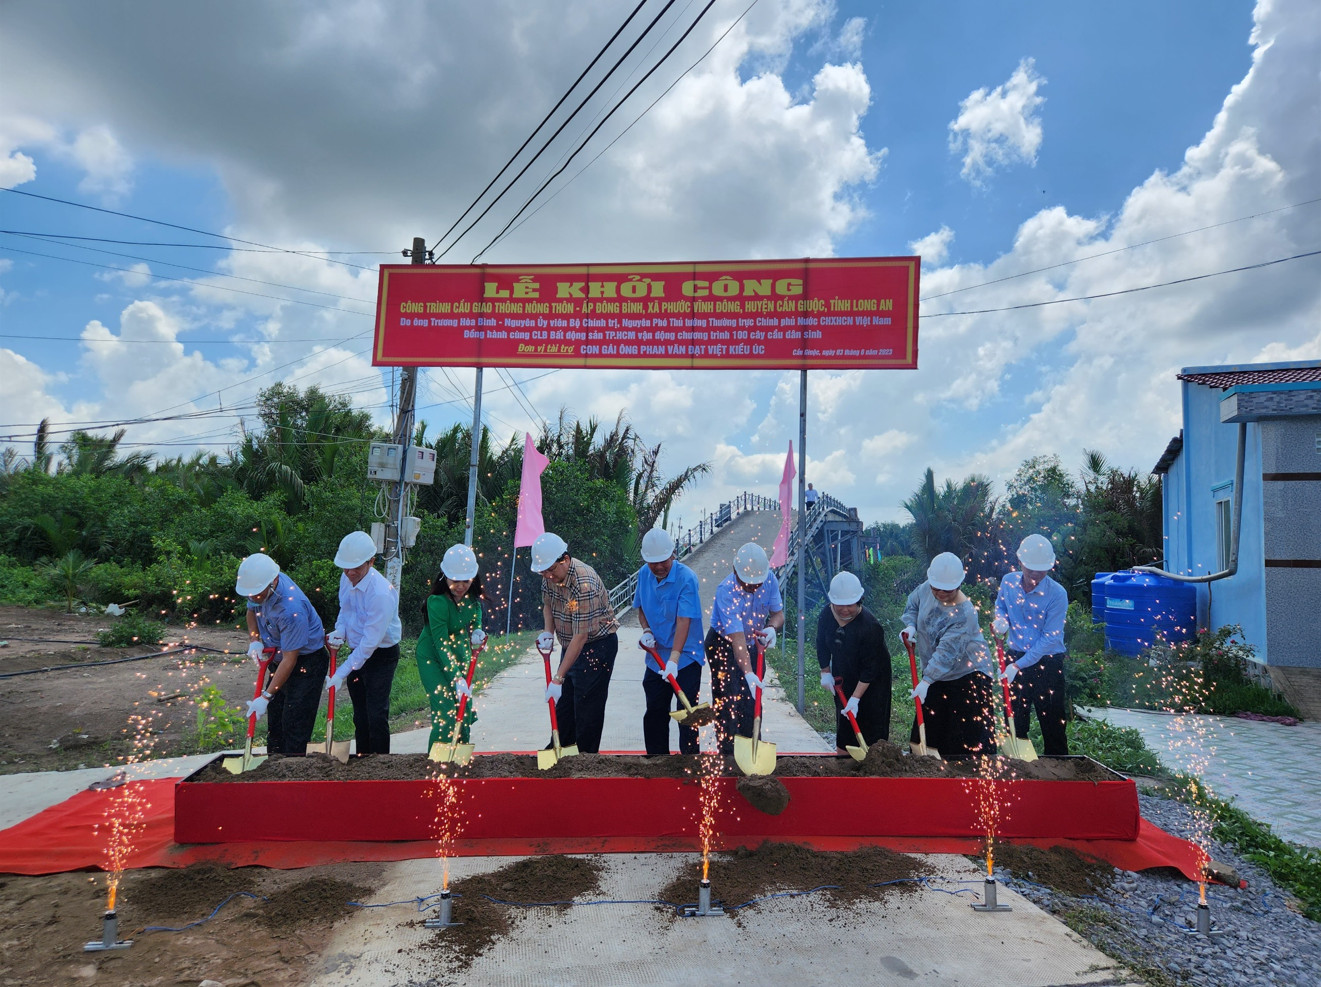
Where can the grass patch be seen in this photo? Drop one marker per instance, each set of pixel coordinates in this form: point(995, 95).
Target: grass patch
point(130, 629)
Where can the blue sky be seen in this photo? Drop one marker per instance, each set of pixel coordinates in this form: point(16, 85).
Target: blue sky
point(997, 140)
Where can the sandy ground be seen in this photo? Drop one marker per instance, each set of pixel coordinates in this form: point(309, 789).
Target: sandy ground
point(79, 717)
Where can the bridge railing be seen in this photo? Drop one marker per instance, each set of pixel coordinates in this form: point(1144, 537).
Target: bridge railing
point(825, 506)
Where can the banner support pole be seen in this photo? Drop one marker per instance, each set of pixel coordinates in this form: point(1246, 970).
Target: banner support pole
point(802, 536)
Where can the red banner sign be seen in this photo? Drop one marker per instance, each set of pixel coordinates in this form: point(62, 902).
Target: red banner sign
point(748, 315)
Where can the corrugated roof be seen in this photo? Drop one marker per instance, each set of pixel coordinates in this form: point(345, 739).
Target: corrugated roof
point(1168, 456)
point(1233, 378)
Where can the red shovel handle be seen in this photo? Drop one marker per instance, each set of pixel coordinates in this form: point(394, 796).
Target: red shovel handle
point(472, 667)
point(330, 699)
point(256, 692)
point(655, 656)
point(1000, 654)
point(554, 724)
point(912, 665)
point(761, 671)
point(853, 722)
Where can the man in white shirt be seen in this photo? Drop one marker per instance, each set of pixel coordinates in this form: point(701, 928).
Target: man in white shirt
point(368, 622)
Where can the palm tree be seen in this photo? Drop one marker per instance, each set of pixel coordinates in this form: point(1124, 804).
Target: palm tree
point(97, 455)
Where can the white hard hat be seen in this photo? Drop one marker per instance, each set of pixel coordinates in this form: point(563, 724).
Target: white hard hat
point(1036, 553)
point(946, 571)
point(355, 548)
point(845, 589)
point(546, 551)
point(657, 546)
point(460, 562)
point(256, 572)
point(751, 564)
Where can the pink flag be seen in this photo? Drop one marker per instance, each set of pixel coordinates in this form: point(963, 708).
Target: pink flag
point(780, 551)
point(530, 525)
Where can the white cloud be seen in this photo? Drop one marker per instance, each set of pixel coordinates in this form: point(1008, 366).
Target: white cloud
point(107, 165)
point(999, 126)
point(934, 247)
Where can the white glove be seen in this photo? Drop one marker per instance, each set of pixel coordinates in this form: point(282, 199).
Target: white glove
point(254, 651)
point(767, 637)
point(478, 638)
point(754, 683)
point(336, 681)
point(909, 634)
point(920, 693)
point(1010, 673)
point(335, 639)
point(545, 641)
point(553, 692)
point(461, 687)
point(827, 680)
point(648, 640)
point(851, 707)
point(1000, 626)
point(671, 669)
point(257, 707)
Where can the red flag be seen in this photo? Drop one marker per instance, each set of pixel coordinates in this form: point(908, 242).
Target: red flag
point(530, 525)
point(780, 551)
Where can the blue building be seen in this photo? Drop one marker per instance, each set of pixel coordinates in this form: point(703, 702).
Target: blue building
point(1275, 592)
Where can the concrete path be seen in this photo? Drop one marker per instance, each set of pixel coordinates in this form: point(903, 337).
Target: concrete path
point(1269, 770)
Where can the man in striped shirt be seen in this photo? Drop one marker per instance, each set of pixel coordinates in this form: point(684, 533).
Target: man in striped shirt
point(576, 610)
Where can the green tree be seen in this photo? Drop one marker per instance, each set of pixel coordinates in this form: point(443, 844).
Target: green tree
point(959, 518)
point(67, 574)
point(98, 455)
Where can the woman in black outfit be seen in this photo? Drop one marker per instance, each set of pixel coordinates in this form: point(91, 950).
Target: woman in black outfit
point(850, 647)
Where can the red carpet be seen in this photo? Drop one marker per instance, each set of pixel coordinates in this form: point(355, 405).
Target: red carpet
point(71, 836)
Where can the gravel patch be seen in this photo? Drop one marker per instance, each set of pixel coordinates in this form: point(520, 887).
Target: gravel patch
point(1144, 920)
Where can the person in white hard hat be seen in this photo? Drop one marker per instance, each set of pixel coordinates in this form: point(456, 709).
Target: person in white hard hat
point(957, 670)
point(280, 616)
point(747, 607)
point(851, 650)
point(576, 609)
point(451, 630)
point(1029, 614)
point(669, 605)
point(368, 622)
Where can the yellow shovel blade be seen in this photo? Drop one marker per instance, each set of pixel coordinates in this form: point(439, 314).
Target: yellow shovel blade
point(339, 750)
point(549, 758)
point(697, 716)
point(857, 753)
point(923, 750)
point(457, 753)
point(1017, 747)
point(754, 757)
point(238, 765)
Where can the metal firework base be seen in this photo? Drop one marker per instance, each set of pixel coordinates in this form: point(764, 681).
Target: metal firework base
point(109, 936)
point(989, 904)
point(444, 919)
point(704, 908)
point(1202, 927)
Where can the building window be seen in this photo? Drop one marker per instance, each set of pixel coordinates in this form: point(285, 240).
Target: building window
point(1224, 529)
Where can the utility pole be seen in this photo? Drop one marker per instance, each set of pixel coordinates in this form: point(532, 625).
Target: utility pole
point(802, 536)
point(403, 437)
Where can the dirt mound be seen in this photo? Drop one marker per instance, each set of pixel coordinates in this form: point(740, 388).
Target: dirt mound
point(740, 877)
point(172, 897)
point(883, 760)
point(316, 900)
point(1059, 867)
point(765, 793)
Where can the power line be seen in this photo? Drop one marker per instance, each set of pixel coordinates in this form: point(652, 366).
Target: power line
point(176, 226)
point(543, 123)
point(1116, 250)
point(560, 128)
point(1126, 291)
point(559, 171)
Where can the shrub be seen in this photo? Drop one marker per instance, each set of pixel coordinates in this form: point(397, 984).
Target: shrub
point(1119, 748)
point(218, 724)
point(130, 629)
point(66, 574)
point(20, 585)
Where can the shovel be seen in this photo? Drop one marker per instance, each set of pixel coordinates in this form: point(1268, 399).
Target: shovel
point(753, 756)
point(858, 753)
point(338, 749)
point(921, 746)
point(238, 765)
point(549, 758)
point(455, 751)
point(1011, 744)
point(690, 716)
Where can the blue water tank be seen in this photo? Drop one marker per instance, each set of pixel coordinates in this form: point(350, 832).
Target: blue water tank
point(1141, 606)
point(1098, 596)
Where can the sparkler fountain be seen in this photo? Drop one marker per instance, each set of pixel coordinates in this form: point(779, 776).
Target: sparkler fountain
point(448, 822)
point(709, 767)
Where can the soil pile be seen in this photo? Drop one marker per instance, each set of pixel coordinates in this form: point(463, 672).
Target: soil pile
point(883, 760)
point(1059, 867)
point(322, 900)
point(172, 897)
point(537, 880)
point(765, 793)
point(740, 877)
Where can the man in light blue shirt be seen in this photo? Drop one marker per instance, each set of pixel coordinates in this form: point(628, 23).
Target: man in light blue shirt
point(1029, 614)
point(747, 610)
point(669, 605)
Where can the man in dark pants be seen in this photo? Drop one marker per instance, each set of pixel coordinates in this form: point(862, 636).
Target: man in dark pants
point(369, 621)
point(669, 605)
point(747, 610)
point(576, 609)
point(279, 616)
point(1029, 613)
